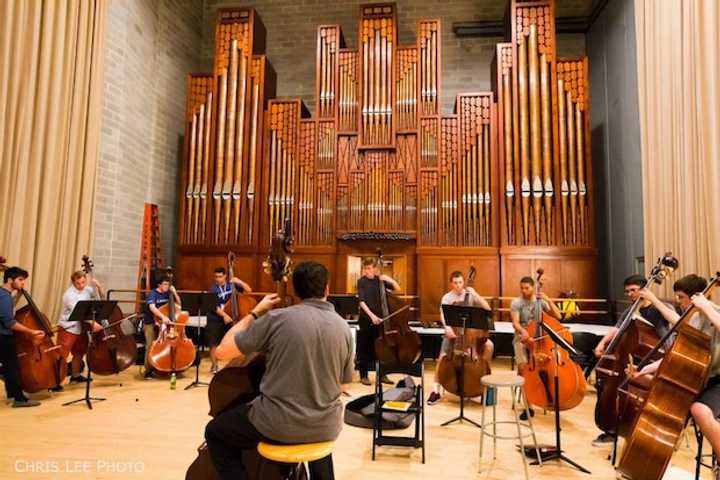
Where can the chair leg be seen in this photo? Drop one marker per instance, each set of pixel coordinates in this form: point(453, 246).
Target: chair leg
point(520, 436)
point(482, 434)
point(530, 425)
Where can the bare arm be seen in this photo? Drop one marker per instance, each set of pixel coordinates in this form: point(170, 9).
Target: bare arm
point(369, 312)
point(668, 313)
point(228, 349)
point(391, 281)
point(246, 288)
point(707, 307)
point(554, 310)
point(602, 345)
point(478, 299)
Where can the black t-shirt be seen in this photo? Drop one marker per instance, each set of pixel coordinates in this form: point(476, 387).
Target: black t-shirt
point(369, 292)
point(653, 315)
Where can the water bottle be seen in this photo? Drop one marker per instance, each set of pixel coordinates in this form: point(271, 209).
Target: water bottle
point(490, 396)
point(173, 381)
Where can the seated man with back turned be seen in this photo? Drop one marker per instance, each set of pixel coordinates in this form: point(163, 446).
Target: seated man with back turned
point(309, 356)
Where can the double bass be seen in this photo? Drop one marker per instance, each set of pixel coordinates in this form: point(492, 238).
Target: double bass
point(634, 339)
point(111, 350)
point(469, 343)
point(40, 361)
point(397, 342)
point(546, 361)
point(664, 406)
point(239, 382)
point(239, 304)
point(172, 351)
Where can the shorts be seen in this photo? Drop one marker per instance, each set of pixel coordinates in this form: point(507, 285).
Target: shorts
point(521, 355)
point(72, 343)
point(711, 395)
point(215, 330)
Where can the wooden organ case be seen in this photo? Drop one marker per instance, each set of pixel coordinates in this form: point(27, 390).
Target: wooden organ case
point(502, 184)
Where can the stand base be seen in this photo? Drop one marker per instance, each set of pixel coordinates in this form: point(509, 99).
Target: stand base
point(87, 400)
point(197, 383)
point(460, 418)
point(562, 458)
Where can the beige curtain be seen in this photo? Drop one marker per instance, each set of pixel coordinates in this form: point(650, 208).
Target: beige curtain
point(678, 45)
point(50, 108)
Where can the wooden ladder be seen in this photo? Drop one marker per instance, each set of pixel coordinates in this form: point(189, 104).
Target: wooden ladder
point(150, 256)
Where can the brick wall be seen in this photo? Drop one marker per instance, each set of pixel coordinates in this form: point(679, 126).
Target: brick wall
point(150, 45)
point(292, 26)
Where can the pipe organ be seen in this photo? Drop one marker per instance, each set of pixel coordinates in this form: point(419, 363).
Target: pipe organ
point(502, 183)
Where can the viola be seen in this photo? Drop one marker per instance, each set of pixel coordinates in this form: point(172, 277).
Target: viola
point(172, 351)
point(663, 404)
point(239, 304)
point(111, 351)
point(397, 342)
point(546, 361)
point(469, 343)
point(634, 339)
point(40, 361)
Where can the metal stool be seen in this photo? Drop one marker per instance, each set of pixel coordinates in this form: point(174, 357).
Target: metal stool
point(295, 457)
point(515, 384)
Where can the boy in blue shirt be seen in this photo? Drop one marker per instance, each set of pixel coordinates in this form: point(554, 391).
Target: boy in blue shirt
point(157, 298)
point(218, 322)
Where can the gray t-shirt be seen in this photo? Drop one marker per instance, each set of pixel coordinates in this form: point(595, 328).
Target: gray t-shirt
point(526, 309)
point(702, 322)
point(308, 351)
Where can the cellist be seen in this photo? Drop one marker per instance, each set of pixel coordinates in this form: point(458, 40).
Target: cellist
point(706, 408)
point(368, 289)
point(218, 321)
point(157, 297)
point(456, 296)
point(13, 282)
point(522, 311)
point(71, 337)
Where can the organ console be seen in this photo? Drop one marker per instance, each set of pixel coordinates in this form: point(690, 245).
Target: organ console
point(502, 181)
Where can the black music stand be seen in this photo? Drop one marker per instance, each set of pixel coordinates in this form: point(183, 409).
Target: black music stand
point(195, 304)
point(463, 316)
point(557, 454)
point(345, 305)
point(87, 312)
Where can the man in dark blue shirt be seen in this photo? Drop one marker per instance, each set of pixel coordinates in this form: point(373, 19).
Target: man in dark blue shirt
point(156, 299)
point(218, 322)
point(13, 281)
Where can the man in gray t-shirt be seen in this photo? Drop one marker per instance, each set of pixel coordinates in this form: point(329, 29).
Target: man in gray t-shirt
point(308, 352)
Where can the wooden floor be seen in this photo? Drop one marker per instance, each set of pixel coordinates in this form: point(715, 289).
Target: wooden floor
point(146, 430)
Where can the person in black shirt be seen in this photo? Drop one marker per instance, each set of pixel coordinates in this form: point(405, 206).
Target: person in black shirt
point(368, 289)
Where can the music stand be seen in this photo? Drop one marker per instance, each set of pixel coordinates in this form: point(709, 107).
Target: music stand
point(464, 316)
point(557, 454)
point(195, 304)
point(89, 311)
point(345, 305)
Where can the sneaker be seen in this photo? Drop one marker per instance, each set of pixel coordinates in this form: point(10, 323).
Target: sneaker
point(524, 415)
point(57, 389)
point(384, 379)
point(25, 403)
point(78, 379)
point(365, 381)
point(149, 373)
point(603, 439)
point(214, 369)
point(433, 398)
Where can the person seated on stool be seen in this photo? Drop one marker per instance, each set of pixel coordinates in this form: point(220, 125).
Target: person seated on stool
point(71, 335)
point(156, 299)
point(309, 357)
point(456, 296)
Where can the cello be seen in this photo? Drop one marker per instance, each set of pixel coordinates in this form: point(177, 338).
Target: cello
point(469, 343)
point(397, 342)
point(634, 339)
point(664, 406)
point(239, 304)
point(239, 382)
point(40, 361)
point(172, 351)
point(546, 361)
point(111, 350)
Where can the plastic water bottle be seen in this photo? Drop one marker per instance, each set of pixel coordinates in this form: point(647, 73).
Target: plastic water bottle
point(490, 396)
point(173, 382)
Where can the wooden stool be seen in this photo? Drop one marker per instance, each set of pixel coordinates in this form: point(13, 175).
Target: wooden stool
point(515, 383)
point(295, 456)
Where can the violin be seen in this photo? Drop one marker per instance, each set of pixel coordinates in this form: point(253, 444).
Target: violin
point(239, 304)
point(40, 361)
point(546, 361)
point(111, 351)
point(469, 343)
point(397, 342)
point(172, 351)
point(239, 382)
point(634, 339)
point(663, 405)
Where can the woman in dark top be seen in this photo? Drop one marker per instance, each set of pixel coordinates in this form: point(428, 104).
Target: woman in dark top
point(368, 289)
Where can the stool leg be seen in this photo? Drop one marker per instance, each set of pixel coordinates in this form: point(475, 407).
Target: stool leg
point(520, 435)
point(530, 425)
point(494, 435)
point(482, 436)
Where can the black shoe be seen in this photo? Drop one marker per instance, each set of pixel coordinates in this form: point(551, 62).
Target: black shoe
point(365, 381)
point(57, 389)
point(150, 373)
point(433, 398)
point(25, 403)
point(384, 379)
point(603, 439)
point(78, 379)
point(524, 415)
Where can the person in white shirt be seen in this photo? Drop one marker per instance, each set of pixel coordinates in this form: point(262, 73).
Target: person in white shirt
point(71, 337)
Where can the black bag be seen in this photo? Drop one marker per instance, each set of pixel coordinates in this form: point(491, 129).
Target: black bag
point(361, 411)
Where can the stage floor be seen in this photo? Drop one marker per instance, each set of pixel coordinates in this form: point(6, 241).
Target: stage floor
point(145, 430)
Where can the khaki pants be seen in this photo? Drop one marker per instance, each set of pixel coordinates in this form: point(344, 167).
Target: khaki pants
point(150, 336)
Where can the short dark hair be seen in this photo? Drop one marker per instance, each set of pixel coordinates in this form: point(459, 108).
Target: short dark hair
point(690, 284)
point(15, 272)
point(160, 277)
point(220, 270)
point(456, 274)
point(310, 279)
point(636, 279)
point(528, 281)
point(367, 261)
